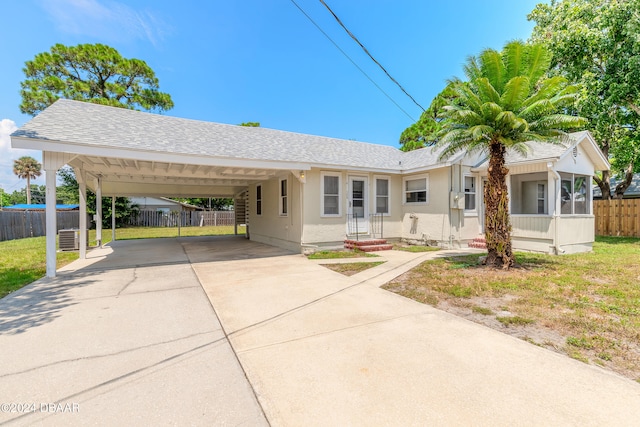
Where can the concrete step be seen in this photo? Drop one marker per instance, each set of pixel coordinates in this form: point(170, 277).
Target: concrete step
point(368, 245)
point(478, 243)
point(375, 248)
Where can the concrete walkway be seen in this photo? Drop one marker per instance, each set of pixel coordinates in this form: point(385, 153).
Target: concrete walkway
point(131, 337)
point(126, 337)
point(323, 349)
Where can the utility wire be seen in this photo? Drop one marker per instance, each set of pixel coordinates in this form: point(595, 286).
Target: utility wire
point(352, 61)
point(369, 54)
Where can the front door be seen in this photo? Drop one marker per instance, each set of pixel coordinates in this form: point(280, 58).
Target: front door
point(358, 205)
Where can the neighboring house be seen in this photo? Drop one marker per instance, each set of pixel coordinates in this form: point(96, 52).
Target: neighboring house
point(303, 191)
point(633, 192)
point(162, 204)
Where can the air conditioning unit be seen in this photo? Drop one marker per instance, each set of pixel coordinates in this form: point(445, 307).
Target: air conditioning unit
point(69, 240)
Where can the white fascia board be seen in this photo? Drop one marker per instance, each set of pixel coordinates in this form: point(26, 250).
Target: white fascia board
point(125, 153)
point(427, 168)
point(355, 168)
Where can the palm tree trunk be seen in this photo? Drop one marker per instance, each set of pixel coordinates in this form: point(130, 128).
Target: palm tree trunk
point(497, 223)
point(28, 189)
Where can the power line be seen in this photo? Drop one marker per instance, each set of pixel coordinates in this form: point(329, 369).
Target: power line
point(352, 61)
point(369, 54)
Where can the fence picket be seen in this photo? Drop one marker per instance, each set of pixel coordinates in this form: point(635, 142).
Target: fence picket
point(617, 217)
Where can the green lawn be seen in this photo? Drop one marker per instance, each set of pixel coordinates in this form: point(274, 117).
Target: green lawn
point(23, 261)
point(584, 305)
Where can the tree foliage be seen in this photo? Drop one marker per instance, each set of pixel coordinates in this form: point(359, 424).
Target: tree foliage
point(68, 193)
point(90, 72)
point(28, 168)
point(595, 43)
point(506, 101)
point(425, 131)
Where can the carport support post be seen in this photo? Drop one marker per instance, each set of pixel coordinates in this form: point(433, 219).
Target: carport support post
point(82, 190)
point(51, 225)
point(98, 184)
point(113, 218)
point(51, 162)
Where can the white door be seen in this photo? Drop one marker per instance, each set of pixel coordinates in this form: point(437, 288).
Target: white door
point(358, 204)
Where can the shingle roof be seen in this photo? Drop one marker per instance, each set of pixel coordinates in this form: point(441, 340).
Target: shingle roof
point(632, 191)
point(98, 125)
point(89, 124)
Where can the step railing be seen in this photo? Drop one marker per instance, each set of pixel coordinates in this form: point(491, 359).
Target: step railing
point(375, 229)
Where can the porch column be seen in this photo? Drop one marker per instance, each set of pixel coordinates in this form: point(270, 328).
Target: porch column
point(113, 218)
point(51, 162)
point(82, 189)
point(51, 224)
point(98, 184)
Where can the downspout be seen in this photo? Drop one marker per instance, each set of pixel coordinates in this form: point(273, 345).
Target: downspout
point(556, 205)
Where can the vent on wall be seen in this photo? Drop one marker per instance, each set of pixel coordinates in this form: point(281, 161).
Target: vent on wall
point(575, 151)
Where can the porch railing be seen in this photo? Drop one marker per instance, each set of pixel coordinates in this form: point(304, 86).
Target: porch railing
point(375, 229)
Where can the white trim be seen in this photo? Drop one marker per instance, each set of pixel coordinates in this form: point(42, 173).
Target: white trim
point(467, 211)
point(364, 223)
point(339, 176)
point(259, 193)
point(283, 199)
point(415, 178)
point(375, 194)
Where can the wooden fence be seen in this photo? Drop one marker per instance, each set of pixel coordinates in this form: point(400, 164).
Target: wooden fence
point(21, 224)
point(186, 218)
point(617, 217)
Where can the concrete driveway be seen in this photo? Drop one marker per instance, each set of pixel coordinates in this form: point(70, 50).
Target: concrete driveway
point(130, 336)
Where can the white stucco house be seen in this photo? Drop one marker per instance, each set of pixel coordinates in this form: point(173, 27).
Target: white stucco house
point(304, 192)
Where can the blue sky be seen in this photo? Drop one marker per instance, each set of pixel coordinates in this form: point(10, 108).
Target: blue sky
point(263, 60)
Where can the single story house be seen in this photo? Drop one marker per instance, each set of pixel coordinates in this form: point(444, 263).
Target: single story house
point(303, 192)
point(633, 192)
point(162, 204)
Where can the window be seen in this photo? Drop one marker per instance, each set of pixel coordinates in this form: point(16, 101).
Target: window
point(330, 194)
point(382, 195)
point(469, 193)
point(528, 194)
point(283, 197)
point(542, 198)
point(259, 200)
point(415, 190)
point(575, 197)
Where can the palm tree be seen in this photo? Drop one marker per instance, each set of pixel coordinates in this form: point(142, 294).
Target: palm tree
point(507, 101)
point(26, 168)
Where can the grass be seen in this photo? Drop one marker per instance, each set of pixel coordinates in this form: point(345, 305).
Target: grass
point(24, 261)
point(351, 268)
point(591, 301)
point(340, 254)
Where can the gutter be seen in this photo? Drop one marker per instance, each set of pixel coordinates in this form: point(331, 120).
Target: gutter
point(556, 206)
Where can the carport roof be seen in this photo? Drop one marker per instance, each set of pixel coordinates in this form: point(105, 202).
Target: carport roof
point(81, 124)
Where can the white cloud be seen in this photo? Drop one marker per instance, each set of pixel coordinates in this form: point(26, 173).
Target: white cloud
point(8, 180)
point(111, 20)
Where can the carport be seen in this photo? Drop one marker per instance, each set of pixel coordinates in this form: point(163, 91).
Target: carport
point(118, 152)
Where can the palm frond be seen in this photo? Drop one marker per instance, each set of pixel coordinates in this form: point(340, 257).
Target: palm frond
point(467, 97)
point(515, 92)
point(490, 110)
point(485, 90)
point(538, 61)
point(514, 58)
point(548, 88)
point(538, 109)
point(493, 68)
point(472, 69)
point(557, 121)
